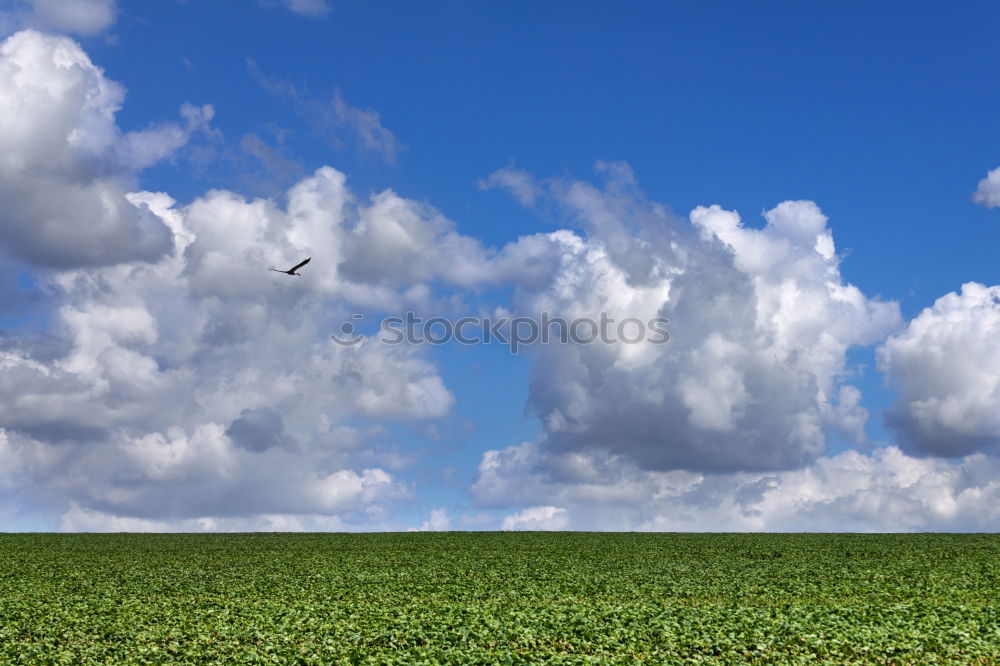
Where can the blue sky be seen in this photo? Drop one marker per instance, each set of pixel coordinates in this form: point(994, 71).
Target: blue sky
point(883, 115)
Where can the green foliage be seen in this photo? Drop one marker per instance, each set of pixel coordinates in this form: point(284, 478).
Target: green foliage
point(496, 598)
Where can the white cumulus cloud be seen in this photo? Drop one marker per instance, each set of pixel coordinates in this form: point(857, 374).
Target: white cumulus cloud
point(65, 167)
point(754, 375)
point(883, 491)
point(988, 192)
point(197, 388)
point(439, 521)
point(946, 366)
point(536, 518)
point(181, 384)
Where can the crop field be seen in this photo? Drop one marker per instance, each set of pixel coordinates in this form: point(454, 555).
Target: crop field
point(500, 598)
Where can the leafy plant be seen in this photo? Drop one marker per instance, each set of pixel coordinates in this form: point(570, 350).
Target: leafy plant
point(489, 598)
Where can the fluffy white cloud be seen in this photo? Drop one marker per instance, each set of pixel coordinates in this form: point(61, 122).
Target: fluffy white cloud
point(754, 375)
point(379, 254)
point(439, 521)
point(988, 192)
point(181, 384)
point(65, 167)
point(202, 389)
point(537, 518)
point(175, 477)
point(885, 490)
point(83, 17)
point(79, 519)
point(946, 365)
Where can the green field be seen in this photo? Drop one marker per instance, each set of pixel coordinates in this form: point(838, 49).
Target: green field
point(500, 598)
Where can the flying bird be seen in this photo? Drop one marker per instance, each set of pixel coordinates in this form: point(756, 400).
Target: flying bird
point(291, 271)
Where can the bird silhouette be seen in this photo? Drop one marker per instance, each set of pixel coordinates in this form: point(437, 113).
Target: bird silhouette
point(291, 271)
